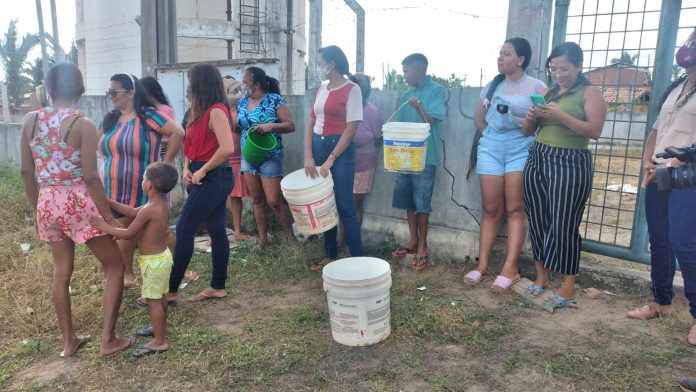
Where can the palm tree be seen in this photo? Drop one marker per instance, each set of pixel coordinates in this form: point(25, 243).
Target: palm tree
point(13, 58)
point(34, 71)
point(625, 58)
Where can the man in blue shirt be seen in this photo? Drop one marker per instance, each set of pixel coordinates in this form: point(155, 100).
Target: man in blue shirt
point(413, 192)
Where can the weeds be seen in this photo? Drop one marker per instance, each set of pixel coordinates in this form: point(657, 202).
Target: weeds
point(272, 332)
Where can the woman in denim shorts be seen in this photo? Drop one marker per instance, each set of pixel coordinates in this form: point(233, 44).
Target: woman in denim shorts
point(502, 153)
point(264, 110)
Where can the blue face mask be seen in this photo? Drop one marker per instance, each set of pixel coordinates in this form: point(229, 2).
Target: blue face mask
point(246, 92)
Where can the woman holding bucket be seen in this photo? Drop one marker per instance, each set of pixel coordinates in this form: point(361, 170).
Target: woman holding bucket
point(333, 121)
point(263, 113)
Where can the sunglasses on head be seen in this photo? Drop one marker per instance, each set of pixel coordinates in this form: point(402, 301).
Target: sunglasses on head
point(112, 92)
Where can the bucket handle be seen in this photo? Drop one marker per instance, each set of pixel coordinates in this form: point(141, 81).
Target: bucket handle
point(420, 109)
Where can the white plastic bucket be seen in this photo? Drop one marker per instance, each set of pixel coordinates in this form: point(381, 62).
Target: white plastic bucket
point(405, 146)
point(311, 200)
point(357, 291)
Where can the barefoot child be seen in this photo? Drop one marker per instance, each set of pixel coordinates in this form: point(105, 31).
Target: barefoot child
point(150, 227)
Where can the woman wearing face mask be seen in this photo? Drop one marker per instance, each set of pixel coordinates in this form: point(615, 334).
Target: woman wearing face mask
point(334, 119)
point(131, 139)
point(558, 172)
point(502, 153)
point(670, 214)
point(263, 110)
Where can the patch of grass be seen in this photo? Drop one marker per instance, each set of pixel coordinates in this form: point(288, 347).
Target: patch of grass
point(626, 371)
point(449, 321)
point(12, 191)
point(279, 336)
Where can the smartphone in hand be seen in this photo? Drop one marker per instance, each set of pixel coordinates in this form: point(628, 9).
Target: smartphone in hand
point(538, 100)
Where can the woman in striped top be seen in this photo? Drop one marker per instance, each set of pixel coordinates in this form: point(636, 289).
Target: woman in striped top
point(131, 139)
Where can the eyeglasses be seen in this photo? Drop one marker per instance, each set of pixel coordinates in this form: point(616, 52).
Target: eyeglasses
point(112, 92)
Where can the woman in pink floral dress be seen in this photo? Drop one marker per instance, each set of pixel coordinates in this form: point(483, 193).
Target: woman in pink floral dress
point(59, 170)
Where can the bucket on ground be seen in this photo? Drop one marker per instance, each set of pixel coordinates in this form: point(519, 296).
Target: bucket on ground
point(405, 146)
point(257, 145)
point(357, 291)
point(311, 201)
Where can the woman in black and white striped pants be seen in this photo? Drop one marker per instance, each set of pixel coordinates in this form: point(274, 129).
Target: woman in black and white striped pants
point(558, 173)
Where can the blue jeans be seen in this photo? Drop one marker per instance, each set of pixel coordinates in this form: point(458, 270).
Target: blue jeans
point(672, 230)
point(343, 173)
point(206, 203)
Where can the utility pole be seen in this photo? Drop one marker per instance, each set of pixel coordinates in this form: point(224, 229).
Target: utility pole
point(5, 102)
point(148, 36)
point(360, 34)
point(58, 52)
point(315, 10)
point(42, 36)
point(289, 51)
point(166, 31)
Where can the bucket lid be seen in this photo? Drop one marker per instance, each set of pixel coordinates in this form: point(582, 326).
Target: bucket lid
point(356, 270)
point(406, 127)
point(298, 180)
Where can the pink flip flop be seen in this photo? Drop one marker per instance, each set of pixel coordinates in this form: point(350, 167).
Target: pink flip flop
point(502, 283)
point(473, 277)
point(691, 337)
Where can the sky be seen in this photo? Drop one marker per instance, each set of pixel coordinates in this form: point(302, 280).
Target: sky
point(27, 22)
point(460, 37)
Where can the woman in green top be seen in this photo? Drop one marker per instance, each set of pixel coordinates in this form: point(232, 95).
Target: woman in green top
point(558, 172)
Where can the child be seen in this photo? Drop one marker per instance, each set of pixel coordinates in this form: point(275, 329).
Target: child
point(150, 226)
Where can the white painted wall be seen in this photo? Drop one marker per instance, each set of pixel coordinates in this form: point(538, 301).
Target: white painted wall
point(109, 39)
point(174, 81)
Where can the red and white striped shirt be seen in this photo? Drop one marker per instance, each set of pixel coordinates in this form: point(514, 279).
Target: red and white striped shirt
point(334, 108)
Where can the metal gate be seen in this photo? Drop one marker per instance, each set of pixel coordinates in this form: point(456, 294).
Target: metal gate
point(629, 52)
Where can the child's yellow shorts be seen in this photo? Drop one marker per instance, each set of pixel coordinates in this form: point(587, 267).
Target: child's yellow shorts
point(155, 271)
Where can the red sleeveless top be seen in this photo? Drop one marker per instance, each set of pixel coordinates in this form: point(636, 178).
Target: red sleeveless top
point(200, 143)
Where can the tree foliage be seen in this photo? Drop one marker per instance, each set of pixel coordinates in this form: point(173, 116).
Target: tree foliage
point(13, 54)
point(626, 59)
point(394, 81)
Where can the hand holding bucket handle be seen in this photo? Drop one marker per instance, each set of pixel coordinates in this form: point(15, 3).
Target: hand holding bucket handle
point(261, 128)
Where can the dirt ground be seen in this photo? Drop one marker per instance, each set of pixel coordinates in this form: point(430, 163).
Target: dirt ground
point(272, 333)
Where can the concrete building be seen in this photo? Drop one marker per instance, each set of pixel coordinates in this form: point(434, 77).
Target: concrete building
point(109, 37)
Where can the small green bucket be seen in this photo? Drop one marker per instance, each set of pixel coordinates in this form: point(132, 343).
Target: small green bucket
point(257, 145)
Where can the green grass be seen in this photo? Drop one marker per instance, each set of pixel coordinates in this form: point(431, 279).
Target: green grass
point(273, 333)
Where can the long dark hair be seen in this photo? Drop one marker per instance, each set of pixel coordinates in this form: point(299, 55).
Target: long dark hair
point(129, 83)
point(154, 89)
point(205, 90)
point(267, 83)
point(573, 52)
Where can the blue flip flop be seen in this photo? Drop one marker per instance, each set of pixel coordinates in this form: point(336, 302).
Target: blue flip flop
point(554, 302)
point(144, 350)
point(534, 291)
point(145, 331)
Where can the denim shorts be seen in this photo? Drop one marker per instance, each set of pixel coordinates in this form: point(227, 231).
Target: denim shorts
point(272, 165)
point(415, 191)
point(502, 152)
